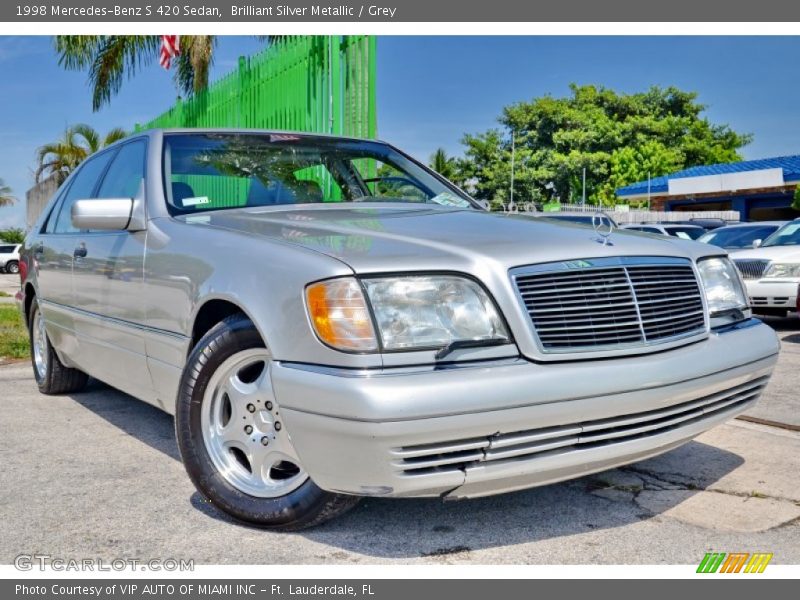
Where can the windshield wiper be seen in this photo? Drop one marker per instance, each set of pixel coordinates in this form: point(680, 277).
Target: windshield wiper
point(461, 344)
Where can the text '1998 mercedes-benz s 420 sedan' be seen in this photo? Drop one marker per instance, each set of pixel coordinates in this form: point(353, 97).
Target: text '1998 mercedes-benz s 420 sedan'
point(326, 319)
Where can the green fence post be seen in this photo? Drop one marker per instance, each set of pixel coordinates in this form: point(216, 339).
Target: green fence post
point(335, 46)
point(372, 104)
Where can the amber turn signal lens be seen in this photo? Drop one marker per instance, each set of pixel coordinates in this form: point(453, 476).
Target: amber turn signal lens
point(339, 315)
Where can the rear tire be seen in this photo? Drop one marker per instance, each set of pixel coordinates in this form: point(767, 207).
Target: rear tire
point(51, 375)
point(12, 267)
point(232, 441)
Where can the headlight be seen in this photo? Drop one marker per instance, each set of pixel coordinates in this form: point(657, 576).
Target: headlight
point(725, 294)
point(411, 313)
point(783, 270)
point(433, 312)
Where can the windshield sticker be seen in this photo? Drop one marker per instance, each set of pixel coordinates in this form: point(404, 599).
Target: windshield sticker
point(448, 199)
point(195, 201)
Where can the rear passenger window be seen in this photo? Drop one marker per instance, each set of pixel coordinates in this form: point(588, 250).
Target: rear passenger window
point(124, 176)
point(82, 187)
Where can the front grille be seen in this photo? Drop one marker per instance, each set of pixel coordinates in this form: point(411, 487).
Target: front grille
point(535, 443)
point(616, 306)
point(751, 268)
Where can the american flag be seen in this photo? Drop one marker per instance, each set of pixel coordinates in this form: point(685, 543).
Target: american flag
point(170, 48)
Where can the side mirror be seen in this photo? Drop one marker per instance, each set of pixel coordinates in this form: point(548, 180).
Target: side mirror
point(757, 243)
point(105, 214)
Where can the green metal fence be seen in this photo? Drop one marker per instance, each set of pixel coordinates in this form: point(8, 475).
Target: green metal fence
point(321, 84)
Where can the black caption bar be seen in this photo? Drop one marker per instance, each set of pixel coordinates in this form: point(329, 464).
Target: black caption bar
point(402, 11)
point(387, 589)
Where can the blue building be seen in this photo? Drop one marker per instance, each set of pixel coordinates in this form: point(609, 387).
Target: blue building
point(760, 190)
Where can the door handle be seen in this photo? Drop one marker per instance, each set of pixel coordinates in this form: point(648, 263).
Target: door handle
point(79, 252)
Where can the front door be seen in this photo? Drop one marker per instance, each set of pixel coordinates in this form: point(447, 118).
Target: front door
point(53, 251)
point(108, 273)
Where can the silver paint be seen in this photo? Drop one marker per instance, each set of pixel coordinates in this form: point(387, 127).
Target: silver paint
point(124, 311)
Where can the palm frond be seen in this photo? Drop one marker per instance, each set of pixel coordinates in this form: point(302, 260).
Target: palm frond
point(115, 58)
point(7, 197)
point(116, 134)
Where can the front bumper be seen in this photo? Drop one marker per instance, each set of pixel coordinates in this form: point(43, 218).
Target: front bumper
point(765, 293)
point(489, 428)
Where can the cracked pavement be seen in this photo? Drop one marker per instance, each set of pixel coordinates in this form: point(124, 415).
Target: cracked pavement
point(97, 474)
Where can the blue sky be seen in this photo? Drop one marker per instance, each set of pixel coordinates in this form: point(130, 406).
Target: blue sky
point(431, 90)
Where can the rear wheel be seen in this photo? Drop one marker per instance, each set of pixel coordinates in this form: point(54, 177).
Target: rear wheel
point(233, 440)
point(12, 267)
point(51, 375)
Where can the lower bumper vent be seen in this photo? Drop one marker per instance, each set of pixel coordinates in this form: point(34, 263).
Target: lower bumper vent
point(458, 454)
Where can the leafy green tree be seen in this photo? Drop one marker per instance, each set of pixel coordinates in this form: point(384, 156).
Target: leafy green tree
point(618, 138)
point(61, 157)
point(7, 197)
point(443, 164)
point(12, 235)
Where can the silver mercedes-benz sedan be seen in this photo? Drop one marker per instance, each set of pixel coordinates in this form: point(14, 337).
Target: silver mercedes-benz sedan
point(326, 319)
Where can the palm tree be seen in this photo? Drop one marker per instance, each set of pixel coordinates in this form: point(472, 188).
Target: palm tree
point(111, 58)
point(7, 197)
point(443, 164)
point(58, 159)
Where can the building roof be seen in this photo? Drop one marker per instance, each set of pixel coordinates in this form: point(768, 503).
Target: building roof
point(659, 185)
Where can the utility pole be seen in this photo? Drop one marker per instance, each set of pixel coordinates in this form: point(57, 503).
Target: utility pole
point(648, 190)
point(510, 204)
point(583, 195)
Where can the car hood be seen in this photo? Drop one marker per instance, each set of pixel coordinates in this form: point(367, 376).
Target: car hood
point(787, 253)
point(379, 237)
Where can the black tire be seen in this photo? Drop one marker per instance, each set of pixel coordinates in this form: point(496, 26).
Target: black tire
point(305, 506)
point(56, 379)
point(12, 267)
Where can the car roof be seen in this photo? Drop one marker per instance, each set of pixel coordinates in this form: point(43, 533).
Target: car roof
point(755, 224)
point(243, 130)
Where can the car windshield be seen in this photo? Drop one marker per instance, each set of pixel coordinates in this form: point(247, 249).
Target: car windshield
point(788, 235)
point(686, 233)
point(585, 219)
point(737, 237)
point(217, 171)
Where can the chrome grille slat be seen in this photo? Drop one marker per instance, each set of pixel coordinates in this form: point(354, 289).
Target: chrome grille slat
point(608, 307)
point(751, 268)
point(532, 443)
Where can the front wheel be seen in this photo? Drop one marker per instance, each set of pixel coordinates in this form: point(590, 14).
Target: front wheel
point(232, 438)
point(12, 267)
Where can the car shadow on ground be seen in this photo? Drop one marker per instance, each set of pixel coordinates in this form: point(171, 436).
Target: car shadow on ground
point(408, 528)
point(784, 325)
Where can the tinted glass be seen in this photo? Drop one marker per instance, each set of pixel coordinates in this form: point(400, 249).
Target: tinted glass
point(6, 249)
point(82, 187)
point(737, 237)
point(124, 176)
point(687, 233)
point(788, 235)
point(219, 171)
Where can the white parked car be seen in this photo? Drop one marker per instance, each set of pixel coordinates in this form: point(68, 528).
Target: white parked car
point(679, 230)
point(9, 258)
point(771, 272)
